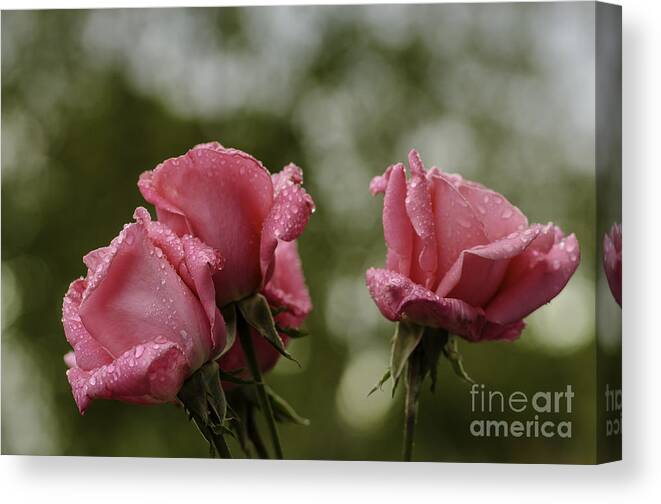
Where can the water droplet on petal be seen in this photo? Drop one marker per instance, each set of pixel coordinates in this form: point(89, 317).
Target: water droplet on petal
point(507, 213)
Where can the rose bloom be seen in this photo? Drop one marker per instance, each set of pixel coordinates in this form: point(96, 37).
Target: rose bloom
point(287, 291)
point(229, 200)
point(144, 318)
point(463, 258)
point(613, 261)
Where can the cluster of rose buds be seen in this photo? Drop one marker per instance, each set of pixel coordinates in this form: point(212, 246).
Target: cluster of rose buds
point(205, 298)
point(152, 309)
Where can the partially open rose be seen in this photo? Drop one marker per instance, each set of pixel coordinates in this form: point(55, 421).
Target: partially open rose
point(463, 258)
point(287, 291)
point(227, 198)
point(144, 318)
point(613, 261)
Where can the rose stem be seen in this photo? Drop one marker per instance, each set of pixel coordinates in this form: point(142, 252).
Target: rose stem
point(253, 433)
point(412, 387)
point(264, 403)
point(218, 440)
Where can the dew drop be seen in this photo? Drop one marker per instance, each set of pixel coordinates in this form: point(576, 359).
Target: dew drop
point(139, 350)
point(507, 213)
point(556, 265)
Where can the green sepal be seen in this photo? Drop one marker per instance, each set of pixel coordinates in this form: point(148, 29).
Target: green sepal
point(257, 313)
point(229, 315)
point(231, 376)
point(379, 385)
point(204, 400)
point(283, 411)
point(203, 395)
point(433, 342)
point(451, 351)
point(406, 339)
point(292, 333)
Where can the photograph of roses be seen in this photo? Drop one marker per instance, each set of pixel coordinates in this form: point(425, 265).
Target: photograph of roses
point(385, 232)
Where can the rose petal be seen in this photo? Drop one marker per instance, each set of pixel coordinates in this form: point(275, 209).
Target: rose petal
point(396, 297)
point(457, 226)
point(287, 287)
point(478, 272)
point(498, 215)
point(612, 260)
point(70, 359)
point(379, 183)
point(149, 373)
point(223, 197)
point(529, 288)
point(419, 209)
point(137, 296)
point(202, 262)
point(498, 332)
point(288, 217)
point(90, 353)
point(397, 227)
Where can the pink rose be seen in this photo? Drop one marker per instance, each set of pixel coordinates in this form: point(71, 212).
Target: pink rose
point(144, 318)
point(463, 258)
point(286, 290)
point(227, 198)
point(613, 261)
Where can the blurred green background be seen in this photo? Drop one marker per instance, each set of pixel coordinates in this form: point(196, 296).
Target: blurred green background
point(502, 93)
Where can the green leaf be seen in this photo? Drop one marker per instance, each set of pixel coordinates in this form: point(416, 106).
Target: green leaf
point(257, 313)
point(229, 314)
point(379, 385)
point(406, 339)
point(433, 342)
point(283, 411)
point(292, 333)
point(451, 351)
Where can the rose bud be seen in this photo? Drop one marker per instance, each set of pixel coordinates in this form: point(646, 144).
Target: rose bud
point(229, 200)
point(463, 258)
point(286, 291)
point(613, 261)
point(144, 318)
